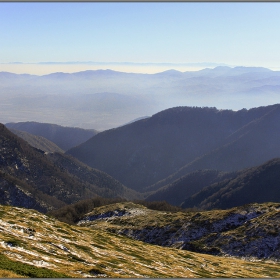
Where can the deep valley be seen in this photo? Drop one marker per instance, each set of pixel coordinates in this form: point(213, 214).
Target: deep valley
point(190, 191)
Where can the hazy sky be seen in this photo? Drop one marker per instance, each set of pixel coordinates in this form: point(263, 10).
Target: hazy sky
point(245, 34)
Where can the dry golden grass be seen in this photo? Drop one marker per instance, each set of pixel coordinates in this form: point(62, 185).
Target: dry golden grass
point(86, 252)
point(9, 274)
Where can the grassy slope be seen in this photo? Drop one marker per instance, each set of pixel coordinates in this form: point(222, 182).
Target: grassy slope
point(250, 231)
point(84, 252)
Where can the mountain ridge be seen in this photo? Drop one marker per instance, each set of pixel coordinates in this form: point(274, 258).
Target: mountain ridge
point(143, 153)
point(256, 184)
point(38, 142)
point(62, 136)
point(188, 185)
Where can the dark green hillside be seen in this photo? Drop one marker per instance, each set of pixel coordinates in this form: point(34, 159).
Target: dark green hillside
point(38, 142)
point(144, 152)
point(27, 164)
point(258, 184)
point(34, 172)
point(63, 137)
point(71, 214)
point(107, 185)
point(186, 186)
point(251, 145)
point(22, 194)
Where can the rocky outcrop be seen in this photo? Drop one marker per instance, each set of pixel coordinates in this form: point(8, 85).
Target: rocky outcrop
point(250, 231)
point(240, 234)
point(35, 246)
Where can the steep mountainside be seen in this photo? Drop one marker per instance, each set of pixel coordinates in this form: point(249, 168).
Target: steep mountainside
point(38, 142)
point(27, 171)
point(249, 231)
point(37, 246)
point(188, 185)
point(258, 184)
point(63, 137)
point(253, 144)
point(16, 192)
point(108, 186)
point(147, 151)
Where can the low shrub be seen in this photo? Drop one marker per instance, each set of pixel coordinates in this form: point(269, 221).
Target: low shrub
point(28, 270)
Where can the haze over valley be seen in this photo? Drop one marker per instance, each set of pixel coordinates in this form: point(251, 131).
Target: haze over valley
point(104, 99)
point(133, 166)
point(139, 140)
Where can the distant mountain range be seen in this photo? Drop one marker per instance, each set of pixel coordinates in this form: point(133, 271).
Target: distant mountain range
point(103, 99)
point(180, 140)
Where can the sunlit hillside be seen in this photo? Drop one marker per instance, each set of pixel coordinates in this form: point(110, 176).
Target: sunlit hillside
point(49, 248)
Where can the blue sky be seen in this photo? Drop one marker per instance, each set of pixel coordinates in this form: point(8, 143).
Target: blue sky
point(244, 34)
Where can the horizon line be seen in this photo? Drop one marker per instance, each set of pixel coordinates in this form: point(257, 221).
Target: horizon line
point(123, 63)
point(46, 68)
